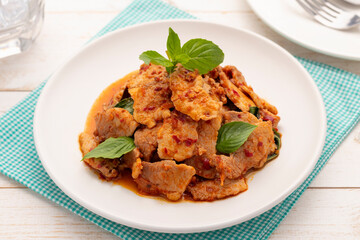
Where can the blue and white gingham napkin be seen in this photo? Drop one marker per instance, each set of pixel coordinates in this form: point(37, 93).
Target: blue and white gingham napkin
point(18, 158)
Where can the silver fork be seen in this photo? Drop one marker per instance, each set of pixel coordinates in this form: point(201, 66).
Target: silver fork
point(329, 14)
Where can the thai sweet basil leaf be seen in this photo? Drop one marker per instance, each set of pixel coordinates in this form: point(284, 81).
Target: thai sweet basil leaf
point(233, 135)
point(112, 148)
point(127, 104)
point(204, 55)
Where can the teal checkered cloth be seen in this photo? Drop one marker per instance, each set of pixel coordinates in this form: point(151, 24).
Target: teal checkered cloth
point(19, 160)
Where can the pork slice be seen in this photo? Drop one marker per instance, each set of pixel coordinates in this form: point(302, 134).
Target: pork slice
point(165, 177)
point(114, 122)
point(234, 75)
point(259, 102)
point(252, 154)
point(227, 167)
point(210, 190)
point(108, 168)
point(146, 140)
point(233, 116)
point(87, 142)
point(147, 74)
point(235, 94)
point(215, 90)
point(177, 137)
point(151, 94)
point(266, 115)
point(214, 74)
point(238, 86)
point(208, 132)
point(111, 168)
point(206, 148)
point(117, 97)
point(202, 166)
point(191, 95)
point(136, 168)
point(132, 160)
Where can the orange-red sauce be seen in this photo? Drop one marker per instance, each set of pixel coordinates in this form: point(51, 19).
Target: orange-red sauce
point(128, 182)
point(104, 98)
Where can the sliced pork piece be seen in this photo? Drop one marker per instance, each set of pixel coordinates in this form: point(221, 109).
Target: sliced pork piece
point(215, 73)
point(232, 116)
point(216, 91)
point(147, 74)
point(252, 154)
point(208, 131)
point(206, 148)
point(146, 140)
point(265, 115)
point(177, 137)
point(165, 177)
point(235, 94)
point(227, 167)
point(87, 142)
point(151, 94)
point(212, 189)
point(117, 96)
point(259, 102)
point(259, 145)
point(132, 160)
point(202, 166)
point(234, 75)
point(190, 95)
point(136, 169)
point(106, 167)
point(114, 122)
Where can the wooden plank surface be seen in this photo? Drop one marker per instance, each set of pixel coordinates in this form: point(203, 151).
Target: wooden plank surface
point(319, 214)
point(329, 209)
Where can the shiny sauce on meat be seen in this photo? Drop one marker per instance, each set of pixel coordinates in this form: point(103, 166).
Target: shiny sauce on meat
point(125, 179)
point(104, 99)
point(128, 182)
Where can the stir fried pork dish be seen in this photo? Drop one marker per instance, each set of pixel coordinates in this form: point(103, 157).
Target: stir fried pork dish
point(180, 131)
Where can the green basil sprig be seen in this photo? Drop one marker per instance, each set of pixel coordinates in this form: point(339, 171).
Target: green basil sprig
point(127, 104)
point(254, 111)
point(272, 156)
point(112, 148)
point(197, 53)
point(277, 140)
point(233, 135)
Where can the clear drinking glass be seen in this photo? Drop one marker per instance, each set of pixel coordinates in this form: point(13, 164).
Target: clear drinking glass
point(20, 24)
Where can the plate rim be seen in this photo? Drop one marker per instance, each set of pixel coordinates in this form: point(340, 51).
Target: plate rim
point(294, 40)
point(176, 229)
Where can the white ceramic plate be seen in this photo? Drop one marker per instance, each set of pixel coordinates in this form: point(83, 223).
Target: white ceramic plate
point(68, 96)
point(290, 20)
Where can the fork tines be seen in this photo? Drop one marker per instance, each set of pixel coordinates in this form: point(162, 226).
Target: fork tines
point(323, 8)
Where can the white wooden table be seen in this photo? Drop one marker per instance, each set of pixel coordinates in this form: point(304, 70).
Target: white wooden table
point(329, 209)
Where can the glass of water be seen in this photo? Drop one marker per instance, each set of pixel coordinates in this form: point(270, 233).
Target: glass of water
point(20, 24)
